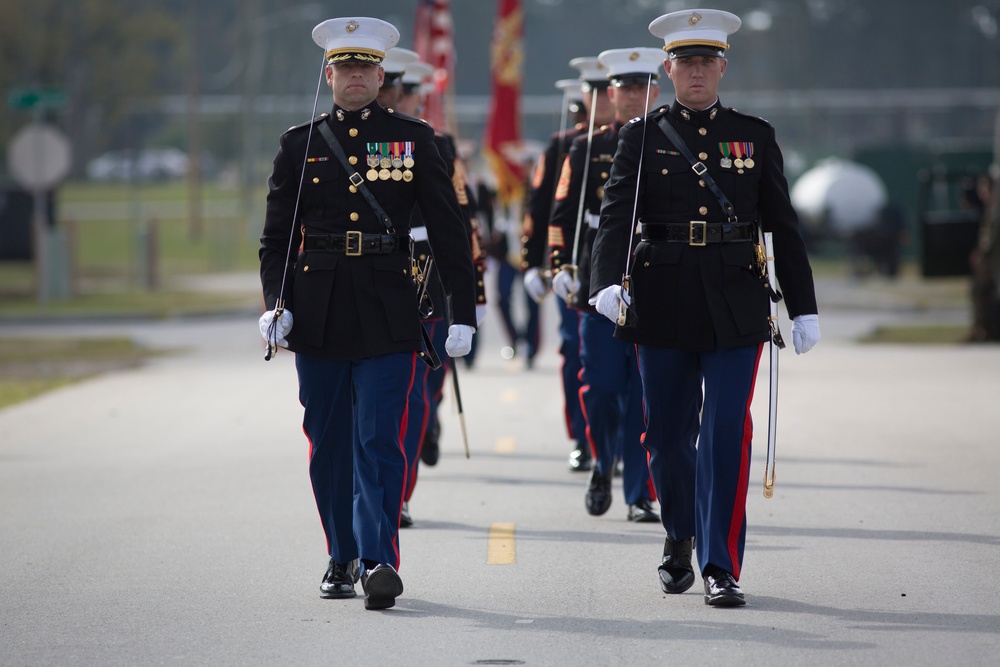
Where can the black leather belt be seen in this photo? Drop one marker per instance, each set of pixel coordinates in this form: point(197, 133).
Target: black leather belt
point(354, 244)
point(697, 232)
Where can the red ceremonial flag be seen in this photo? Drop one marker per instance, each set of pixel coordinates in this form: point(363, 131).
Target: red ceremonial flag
point(433, 40)
point(502, 143)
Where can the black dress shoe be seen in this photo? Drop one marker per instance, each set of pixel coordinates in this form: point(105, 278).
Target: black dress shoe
point(676, 573)
point(598, 498)
point(405, 520)
point(339, 580)
point(642, 512)
point(721, 590)
point(429, 451)
point(382, 586)
point(580, 460)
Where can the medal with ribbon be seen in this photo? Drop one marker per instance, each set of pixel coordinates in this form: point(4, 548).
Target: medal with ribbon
point(384, 161)
point(397, 161)
point(372, 160)
point(407, 161)
point(738, 152)
point(725, 149)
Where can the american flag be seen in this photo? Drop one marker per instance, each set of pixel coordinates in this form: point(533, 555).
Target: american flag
point(433, 40)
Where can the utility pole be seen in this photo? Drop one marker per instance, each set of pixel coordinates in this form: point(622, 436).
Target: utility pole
point(195, 226)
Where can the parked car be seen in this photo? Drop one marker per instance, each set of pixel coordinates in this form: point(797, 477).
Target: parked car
point(150, 164)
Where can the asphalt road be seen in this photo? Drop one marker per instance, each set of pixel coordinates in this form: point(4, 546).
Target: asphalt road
point(163, 516)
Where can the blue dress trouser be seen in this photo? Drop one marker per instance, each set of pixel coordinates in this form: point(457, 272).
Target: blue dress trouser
point(703, 487)
point(569, 333)
point(423, 402)
point(611, 397)
point(355, 419)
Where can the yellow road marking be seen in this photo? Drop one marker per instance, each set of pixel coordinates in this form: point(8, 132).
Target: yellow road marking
point(500, 547)
point(506, 445)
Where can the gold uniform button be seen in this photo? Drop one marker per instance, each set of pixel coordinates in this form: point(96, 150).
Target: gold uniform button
point(703, 210)
point(316, 180)
point(353, 132)
point(354, 217)
point(702, 131)
point(701, 183)
point(353, 189)
point(604, 175)
point(352, 159)
point(702, 156)
point(664, 172)
point(304, 269)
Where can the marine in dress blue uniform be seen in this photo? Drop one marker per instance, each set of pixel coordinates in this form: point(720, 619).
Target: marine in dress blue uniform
point(701, 310)
point(347, 278)
point(611, 390)
point(539, 240)
point(406, 94)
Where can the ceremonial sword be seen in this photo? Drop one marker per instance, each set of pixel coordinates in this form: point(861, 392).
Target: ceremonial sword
point(458, 403)
point(572, 267)
point(279, 306)
point(776, 344)
point(623, 307)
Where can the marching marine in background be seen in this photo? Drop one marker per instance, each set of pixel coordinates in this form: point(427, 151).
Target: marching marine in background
point(397, 61)
point(536, 261)
point(611, 390)
point(335, 252)
point(693, 300)
point(504, 222)
point(408, 75)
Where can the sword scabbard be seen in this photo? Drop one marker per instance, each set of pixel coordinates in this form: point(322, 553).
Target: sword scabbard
point(776, 344)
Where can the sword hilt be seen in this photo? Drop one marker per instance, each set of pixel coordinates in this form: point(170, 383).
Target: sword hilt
point(572, 269)
point(272, 348)
point(623, 308)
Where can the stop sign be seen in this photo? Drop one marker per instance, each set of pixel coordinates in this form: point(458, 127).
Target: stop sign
point(39, 157)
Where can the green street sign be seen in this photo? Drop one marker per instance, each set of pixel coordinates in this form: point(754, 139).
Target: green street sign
point(30, 98)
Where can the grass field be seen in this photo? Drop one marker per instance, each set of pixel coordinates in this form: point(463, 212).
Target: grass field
point(124, 245)
point(938, 334)
point(30, 367)
point(118, 237)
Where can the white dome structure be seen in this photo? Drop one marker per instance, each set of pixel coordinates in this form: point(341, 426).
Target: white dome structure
point(839, 197)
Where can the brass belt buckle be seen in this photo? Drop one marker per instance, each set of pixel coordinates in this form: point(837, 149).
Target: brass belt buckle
point(352, 246)
point(704, 233)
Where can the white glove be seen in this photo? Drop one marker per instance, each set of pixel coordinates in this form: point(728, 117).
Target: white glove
point(459, 341)
point(281, 329)
point(805, 333)
point(608, 300)
point(480, 313)
point(565, 283)
point(534, 285)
